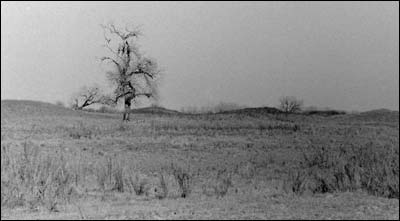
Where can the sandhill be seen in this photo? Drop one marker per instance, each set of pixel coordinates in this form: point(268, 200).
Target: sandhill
point(39, 109)
point(22, 108)
point(383, 115)
point(234, 164)
point(155, 110)
point(254, 110)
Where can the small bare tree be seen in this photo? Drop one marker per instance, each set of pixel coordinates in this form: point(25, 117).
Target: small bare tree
point(132, 75)
point(290, 104)
point(87, 96)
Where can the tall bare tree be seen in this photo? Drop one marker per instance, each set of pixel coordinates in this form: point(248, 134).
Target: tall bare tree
point(132, 75)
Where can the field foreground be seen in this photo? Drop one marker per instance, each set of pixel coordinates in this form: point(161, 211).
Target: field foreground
point(62, 164)
point(268, 206)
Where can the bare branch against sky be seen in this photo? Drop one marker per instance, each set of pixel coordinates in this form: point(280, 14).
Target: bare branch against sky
point(343, 55)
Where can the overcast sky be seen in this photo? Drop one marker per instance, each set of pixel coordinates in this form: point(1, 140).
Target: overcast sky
point(343, 55)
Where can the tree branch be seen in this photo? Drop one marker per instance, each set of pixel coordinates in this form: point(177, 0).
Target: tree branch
point(123, 36)
point(121, 95)
point(115, 62)
point(140, 71)
point(114, 52)
point(144, 94)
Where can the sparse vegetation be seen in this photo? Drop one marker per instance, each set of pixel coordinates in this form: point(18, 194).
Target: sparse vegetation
point(33, 179)
point(184, 179)
point(370, 167)
point(78, 156)
point(78, 131)
point(224, 181)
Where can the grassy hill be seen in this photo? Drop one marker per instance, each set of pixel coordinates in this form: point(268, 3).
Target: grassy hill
point(31, 108)
point(154, 110)
point(23, 108)
point(255, 110)
point(377, 115)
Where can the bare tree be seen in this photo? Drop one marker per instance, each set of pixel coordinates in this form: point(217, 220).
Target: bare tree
point(87, 96)
point(290, 104)
point(132, 75)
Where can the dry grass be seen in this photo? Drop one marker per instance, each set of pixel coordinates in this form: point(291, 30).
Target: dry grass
point(370, 167)
point(73, 156)
point(31, 179)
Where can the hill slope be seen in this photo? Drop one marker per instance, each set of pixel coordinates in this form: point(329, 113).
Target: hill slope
point(28, 108)
point(155, 110)
point(382, 115)
point(254, 110)
point(31, 108)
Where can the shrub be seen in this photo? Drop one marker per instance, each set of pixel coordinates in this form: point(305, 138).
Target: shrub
point(101, 177)
point(184, 179)
point(246, 170)
point(164, 186)
point(110, 175)
point(219, 185)
point(135, 182)
point(118, 178)
point(224, 181)
point(80, 131)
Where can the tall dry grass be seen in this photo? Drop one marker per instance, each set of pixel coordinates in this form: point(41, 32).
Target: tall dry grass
point(370, 167)
point(31, 178)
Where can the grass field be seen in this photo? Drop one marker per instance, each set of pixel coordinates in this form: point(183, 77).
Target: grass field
point(62, 164)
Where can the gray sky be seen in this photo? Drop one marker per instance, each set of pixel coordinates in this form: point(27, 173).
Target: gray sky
point(343, 55)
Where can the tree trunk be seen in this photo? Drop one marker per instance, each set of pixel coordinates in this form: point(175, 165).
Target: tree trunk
point(127, 108)
point(127, 112)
